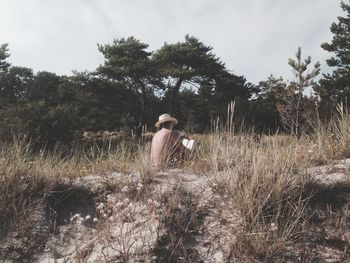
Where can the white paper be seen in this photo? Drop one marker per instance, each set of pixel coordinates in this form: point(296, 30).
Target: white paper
point(189, 144)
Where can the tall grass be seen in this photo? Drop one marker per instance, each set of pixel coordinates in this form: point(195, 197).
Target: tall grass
point(27, 177)
point(261, 180)
point(331, 140)
point(263, 185)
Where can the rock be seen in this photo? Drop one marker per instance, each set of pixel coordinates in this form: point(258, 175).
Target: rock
point(331, 175)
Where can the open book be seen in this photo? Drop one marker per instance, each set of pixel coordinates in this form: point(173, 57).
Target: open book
point(189, 144)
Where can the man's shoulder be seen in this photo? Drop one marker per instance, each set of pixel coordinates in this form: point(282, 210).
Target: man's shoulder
point(160, 133)
point(163, 132)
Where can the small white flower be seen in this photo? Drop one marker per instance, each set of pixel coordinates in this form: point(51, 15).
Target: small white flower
point(125, 189)
point(76, 216)
point(110, 199)
point(139, 186)
point(95, 219)
point(87, 217)
point(100, 206)
point(274, 227)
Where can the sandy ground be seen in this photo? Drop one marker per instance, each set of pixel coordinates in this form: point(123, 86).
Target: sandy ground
point(135, 224)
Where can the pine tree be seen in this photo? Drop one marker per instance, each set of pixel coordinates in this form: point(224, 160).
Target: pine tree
point(293, 105)
point(186, 63)
point(127, 61)
point(335, 87)
point(264, 113)
point(4, 65)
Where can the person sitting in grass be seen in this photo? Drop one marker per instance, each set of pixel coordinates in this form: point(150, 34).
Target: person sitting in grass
point(166, 147)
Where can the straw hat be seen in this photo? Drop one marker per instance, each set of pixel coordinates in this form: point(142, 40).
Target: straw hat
point(165, 118)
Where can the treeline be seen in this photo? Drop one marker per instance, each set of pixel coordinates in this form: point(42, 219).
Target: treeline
point(134, 85)
point(128, 92)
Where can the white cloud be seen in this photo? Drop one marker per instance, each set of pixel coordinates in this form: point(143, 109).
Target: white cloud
point(253, 37)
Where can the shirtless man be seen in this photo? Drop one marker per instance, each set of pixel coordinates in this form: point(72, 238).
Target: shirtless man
point(166, 143)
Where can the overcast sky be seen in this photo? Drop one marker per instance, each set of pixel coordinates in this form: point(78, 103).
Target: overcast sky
point(254, 38)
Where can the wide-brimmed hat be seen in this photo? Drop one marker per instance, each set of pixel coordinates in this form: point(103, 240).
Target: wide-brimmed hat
point(165, 118)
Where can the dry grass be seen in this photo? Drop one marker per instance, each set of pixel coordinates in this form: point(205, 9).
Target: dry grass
point(262, 183)
point(180, 221)
point(260, 179)
point(27, 178)
point(331, 140)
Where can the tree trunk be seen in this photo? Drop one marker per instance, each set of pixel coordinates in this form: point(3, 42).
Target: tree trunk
point(174, 93)
point(141, 121)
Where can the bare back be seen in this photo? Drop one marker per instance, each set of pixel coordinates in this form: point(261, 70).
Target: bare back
point(166, 146)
